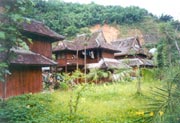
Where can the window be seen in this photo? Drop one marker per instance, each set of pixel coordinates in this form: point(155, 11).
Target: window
point(61, 56)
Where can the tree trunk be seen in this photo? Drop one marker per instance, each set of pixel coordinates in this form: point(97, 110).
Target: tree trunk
point(177, 46)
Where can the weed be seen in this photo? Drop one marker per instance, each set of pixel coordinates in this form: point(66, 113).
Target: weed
point(91, 103)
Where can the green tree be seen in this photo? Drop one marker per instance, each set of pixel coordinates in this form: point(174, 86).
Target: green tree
point(160, 55)
point(168, 47)
point(68, 18)
point(12, 14)
point(71, 79)
point(166, 18)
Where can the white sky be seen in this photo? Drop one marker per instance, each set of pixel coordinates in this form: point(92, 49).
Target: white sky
point(157, 7)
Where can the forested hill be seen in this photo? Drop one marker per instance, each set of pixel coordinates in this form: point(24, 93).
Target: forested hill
point(70, 19)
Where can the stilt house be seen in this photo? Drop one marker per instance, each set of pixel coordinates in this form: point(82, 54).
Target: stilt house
point(83, 50)
point(132, 53)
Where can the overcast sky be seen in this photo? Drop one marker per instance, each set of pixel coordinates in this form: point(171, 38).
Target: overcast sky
point(157, 7)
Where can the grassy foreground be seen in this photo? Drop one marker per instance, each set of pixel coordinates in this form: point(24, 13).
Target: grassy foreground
point(115, 102)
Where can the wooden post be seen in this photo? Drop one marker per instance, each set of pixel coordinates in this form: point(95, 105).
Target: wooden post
point(77, 64)
point(98, 53)
point(66, 68)
point(85, 63)
point(77, 59)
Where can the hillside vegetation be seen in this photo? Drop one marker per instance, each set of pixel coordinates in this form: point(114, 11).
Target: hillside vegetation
point(70, 19)
point(119, 101)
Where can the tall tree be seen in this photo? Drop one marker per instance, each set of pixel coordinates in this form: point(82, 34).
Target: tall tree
point(168, 50)
point(68, 18)
point(11, 15)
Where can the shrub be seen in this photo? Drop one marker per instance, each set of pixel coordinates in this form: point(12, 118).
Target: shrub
point(64, 86)
point(26, 108)
point(164, 101)
point(148, 74)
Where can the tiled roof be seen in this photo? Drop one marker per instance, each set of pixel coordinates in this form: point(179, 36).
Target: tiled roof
point(108, 63)
point(130, 46)
point(25, 57)
point(39, 28)
point(137, 62)
point(65, 45)
point(96, 40)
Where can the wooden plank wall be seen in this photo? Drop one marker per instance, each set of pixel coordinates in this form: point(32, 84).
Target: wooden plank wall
point(23, 80)
point(90, 60)
point(41, 47)
point(106, 54)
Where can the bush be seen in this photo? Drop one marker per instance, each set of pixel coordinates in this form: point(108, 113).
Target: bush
point(26, 108)
point(148, 74)
point(64, 86)
point(163, 106)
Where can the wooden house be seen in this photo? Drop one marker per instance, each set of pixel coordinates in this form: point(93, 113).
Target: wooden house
point(83, 50)
point(66, 55)
point(132, 53)
point(25, 68)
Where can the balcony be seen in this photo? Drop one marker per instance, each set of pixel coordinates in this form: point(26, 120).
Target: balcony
point(65, 62)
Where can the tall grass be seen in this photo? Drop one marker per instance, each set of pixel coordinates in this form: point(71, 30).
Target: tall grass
point(115, 102)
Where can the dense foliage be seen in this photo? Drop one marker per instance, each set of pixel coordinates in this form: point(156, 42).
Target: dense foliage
point(68, 18)
point(31, 108)
point(11, 15)
point(168, 46)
